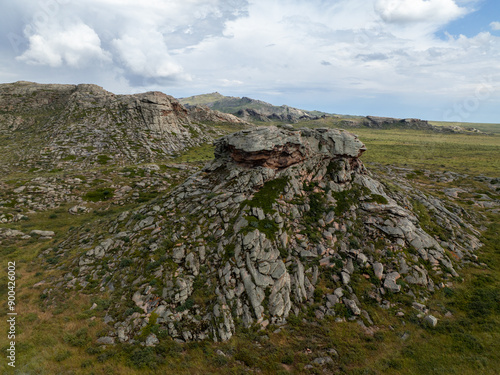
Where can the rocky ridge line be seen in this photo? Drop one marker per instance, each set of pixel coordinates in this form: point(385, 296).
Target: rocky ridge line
point(75, 126)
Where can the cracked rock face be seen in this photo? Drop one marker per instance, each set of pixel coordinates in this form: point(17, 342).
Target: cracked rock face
point(279, 148)
point(73, 125)
point(251, 237)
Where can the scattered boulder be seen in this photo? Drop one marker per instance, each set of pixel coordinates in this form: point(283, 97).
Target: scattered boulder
point(106, 340)
point(42, 233)
point(78, 210)
point(390, 282)
point(431, 320)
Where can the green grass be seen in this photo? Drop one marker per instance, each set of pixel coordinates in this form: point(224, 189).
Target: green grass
point(101, 194)
point(464, 153)
point(471, 154)
point(267, 195)
point(201, 153)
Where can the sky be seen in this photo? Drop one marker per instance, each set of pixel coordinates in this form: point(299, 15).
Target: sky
point(429, 59)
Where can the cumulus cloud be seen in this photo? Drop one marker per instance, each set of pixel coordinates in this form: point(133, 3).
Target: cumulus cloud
point(145, 54)
point(416, 11)
point(315, 53)
point(495, 26)
point(76, 45)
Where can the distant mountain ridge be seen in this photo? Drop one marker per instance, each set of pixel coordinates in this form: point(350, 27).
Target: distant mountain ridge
point(260, 111)
point(251, 109)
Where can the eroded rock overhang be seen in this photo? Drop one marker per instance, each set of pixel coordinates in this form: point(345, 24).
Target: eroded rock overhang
point(280, 147)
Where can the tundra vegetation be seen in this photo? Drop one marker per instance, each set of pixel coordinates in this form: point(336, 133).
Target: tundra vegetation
point(77, 205)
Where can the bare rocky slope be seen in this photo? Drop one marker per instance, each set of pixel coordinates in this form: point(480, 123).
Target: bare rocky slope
point(50, 126)
point(282, 221)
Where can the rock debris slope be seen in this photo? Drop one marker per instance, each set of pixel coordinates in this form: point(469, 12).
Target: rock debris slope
point(50, 125)
point(282, 221)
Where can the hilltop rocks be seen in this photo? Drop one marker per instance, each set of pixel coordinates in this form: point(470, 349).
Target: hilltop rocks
point(42, 233)
point(283, 113)
point(410, 123)
point(51, 126)
point(12, 234)
point(279, 148)
point(203, 113)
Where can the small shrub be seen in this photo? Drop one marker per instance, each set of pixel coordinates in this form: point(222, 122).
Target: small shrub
point(132, 310)
point(268, 194)
point(220, 361)
point(125, 262)
point(185, 306)
point(245, 356)
point(61, 356)
point(380, 199)
point(98, 195)
point(287, 359)
point(103, 159)
point(80, 338)
point(144, 357)
point(266, 226)
point(86, 363)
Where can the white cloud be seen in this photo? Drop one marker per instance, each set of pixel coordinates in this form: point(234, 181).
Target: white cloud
point(75, 45)
point(319, 52)
point(418, 11)
point(145, 54)
point(495, 26)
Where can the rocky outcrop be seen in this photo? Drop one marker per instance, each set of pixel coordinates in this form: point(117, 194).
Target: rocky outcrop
point(51, 126)
point(203, 113)
point(282, 221)
point(408, 123)
point(387, 122)
point(283, 114)
point(278, 148)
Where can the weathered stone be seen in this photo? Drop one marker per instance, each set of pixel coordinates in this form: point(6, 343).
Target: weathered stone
point(106, 340)
point(346, 278)
point(351, 304)
point(322, 361)
point(278, 148)
point(152, 340)
point(431, 320)
point(42, 233)
point(390, 282)
point(378, 270)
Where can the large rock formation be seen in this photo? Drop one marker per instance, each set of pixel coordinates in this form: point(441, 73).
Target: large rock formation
point(51, 126)
point(282, 221)
point(408, 123)
point(278, 148)
point(203, 113)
